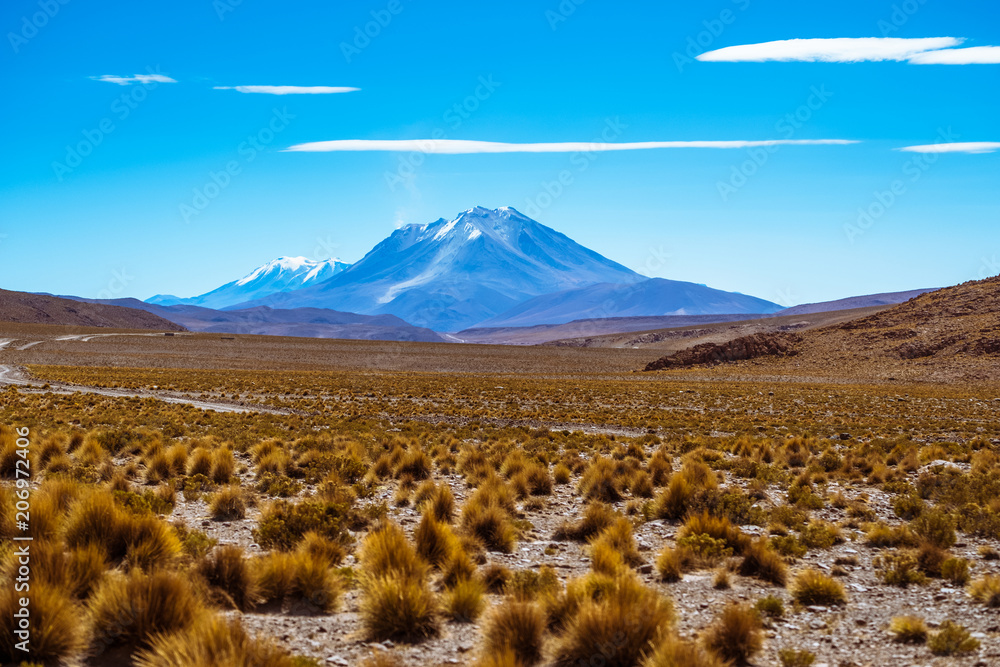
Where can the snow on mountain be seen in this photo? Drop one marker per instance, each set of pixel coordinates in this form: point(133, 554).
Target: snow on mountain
point(654, 297)
point(451, 274)
point(280, 275)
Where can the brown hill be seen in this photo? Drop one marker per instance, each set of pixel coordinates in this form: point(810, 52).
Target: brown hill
point(25, 308)
point(947, 335)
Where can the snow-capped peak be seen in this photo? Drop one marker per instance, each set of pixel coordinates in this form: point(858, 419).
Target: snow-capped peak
point(283, 274)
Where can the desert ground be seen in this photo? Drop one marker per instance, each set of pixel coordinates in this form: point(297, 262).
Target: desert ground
point(202, 499)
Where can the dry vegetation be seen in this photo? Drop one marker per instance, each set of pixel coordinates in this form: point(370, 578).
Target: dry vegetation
point(415, 518)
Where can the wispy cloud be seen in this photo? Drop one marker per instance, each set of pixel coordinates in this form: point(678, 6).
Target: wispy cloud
point(836, 50)
point(956, 147)
point(138, 78)
point(290, 90)
point(463, 146)
point(974, 55)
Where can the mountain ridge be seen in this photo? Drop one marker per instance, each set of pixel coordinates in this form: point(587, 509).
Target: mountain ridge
point(278, 275)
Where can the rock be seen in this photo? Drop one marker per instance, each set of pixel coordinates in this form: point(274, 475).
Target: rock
point(336, 660)
point(645, 568)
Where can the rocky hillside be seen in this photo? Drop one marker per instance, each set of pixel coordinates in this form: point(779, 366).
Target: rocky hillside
point(949, 335)
point(25, 308)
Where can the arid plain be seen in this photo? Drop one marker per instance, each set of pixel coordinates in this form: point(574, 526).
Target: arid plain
point(286, 501)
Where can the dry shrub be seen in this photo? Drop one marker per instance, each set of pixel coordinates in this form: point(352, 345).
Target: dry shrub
point(736, 634)
point(718, 528)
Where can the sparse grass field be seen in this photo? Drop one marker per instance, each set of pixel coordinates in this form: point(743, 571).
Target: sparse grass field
point(416, 518)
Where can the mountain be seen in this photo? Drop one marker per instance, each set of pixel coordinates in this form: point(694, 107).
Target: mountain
point(850, 303)
point(451, 274)
point(301, 322)
point(25, 308)
point(651, 297)
point(280, 275)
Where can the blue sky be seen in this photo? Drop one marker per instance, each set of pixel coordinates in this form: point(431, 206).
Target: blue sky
point(142, 211)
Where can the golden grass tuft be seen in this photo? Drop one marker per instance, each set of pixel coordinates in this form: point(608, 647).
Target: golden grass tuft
point(131, 609)
point(228, 573)
point(675, 652)
point(908, 630)
point(596, 517)
point(490, 524)
point(228, 503)
point(386, 551)
point(986, 590)
point(212, 643)
point(617, 539)
point(811, 587)
point(618, 621)
point(465, 601)
point(398, 608)
point(294, 579)
point(951, 639)
point(736, 634)
point(516, 626)
point(56, 631)
point(762, 562)
point(672, 563)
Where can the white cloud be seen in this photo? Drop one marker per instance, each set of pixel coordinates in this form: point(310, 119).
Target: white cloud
point(138, 78)
point(974, 55)
point(836, 50)
point(290, 90)
point(462, 146)
point(956, 147)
